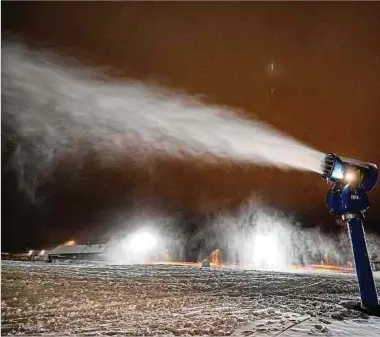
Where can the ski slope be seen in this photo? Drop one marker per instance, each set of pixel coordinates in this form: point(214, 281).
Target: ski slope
point(99, 299)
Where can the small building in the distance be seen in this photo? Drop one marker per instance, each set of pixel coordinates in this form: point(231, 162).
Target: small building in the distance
point(96, 252)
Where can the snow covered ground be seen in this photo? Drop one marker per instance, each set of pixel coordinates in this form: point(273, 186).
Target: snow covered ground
point(89, 299)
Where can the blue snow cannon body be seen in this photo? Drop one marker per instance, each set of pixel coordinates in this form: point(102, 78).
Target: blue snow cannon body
point(347, 198)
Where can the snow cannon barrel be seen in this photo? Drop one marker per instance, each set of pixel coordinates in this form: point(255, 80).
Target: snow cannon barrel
point(346, 171)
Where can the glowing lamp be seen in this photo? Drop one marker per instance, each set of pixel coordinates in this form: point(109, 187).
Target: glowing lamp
point(142, 242)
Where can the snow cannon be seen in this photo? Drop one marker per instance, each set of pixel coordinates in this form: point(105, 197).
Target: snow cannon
point(349, 171)
point(347, 198)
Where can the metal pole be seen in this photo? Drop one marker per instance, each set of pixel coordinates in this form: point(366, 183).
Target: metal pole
point(364, 273)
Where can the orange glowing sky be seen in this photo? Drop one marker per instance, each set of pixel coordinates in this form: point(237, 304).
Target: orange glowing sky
point(310, 69)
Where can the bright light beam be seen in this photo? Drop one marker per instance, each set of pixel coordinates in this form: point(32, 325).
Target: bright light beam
point(142, 242)
point(350, 177)
point(265, 251)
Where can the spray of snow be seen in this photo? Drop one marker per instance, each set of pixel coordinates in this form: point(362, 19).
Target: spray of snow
point(59, 110)
point(144, 237)
point(260, 237)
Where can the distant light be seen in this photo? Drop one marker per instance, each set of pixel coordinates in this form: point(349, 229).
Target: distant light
point(69, 243)
point(273, 69)
point(42, 252)
point(265, 250)
point(30, 252)
point(142, 242)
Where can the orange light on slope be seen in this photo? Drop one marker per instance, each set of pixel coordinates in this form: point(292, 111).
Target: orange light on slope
point(215, 257)
point(324, 267)
point(69, 243)
point(167, 256)
point(219, 265)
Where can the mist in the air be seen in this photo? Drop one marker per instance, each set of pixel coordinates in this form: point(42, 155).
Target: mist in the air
point(260, 237)
point(59, 109)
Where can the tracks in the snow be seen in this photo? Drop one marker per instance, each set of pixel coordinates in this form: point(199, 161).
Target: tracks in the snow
point(148, 300)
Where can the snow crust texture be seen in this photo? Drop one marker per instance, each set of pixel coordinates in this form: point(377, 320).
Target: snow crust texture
point(90, 299)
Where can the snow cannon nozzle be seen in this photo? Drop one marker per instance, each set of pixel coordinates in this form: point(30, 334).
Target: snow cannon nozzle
point(346, 171)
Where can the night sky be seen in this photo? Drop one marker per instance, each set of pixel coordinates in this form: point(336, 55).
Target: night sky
point(324, 91)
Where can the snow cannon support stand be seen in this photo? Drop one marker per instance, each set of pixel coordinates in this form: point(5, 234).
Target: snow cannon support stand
point(347, 198)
